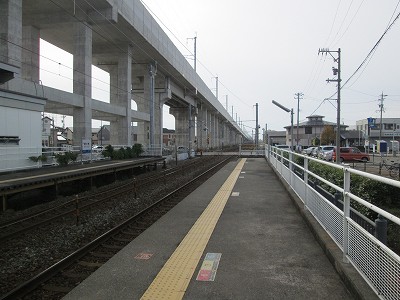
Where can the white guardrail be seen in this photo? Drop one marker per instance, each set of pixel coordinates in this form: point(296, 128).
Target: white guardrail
point(18, 158)
point(376, 262)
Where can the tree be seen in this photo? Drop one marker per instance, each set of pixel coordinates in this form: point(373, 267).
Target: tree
point(328, 135)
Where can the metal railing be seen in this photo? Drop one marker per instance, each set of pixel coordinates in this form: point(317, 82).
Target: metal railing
point(19, 158)
point(360, 239)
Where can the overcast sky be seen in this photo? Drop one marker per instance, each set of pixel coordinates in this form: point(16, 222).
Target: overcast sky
point(263, 50)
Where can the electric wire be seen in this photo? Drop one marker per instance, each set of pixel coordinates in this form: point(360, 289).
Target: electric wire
point(372, 50)
point(199, 61)
point(333, 23)
point(344, 19)
point(368, 56)
point(140, 47)
point(348, 26)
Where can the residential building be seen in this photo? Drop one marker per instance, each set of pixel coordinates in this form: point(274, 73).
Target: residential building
point(309, 130)
point(276, 137)
point(168, 137)
point(373, 129)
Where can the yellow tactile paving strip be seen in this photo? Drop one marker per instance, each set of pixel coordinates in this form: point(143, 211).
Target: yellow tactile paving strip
point(173, 279)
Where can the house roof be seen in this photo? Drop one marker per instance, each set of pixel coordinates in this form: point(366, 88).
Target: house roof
point(275, 133)
point(351, 134)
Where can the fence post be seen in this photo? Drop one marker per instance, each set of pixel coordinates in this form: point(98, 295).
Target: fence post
point(305, 182)
point(291, 168)
point(346, 213)
point(381, 229)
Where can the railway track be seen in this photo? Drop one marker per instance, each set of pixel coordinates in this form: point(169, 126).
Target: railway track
point(60, 278)
point(23, 224)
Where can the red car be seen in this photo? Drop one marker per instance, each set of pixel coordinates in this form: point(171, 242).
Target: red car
point(350, 154)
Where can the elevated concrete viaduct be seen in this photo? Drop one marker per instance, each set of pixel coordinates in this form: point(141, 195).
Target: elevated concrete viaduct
point(123, 39)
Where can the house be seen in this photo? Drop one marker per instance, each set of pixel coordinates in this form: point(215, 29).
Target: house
point(372, 130)
point(168, 137)
point(276, 137)
point(309, 130)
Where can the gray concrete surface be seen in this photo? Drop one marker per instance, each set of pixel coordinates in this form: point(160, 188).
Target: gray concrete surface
point(268, 250)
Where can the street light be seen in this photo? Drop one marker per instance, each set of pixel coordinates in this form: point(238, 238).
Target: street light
point(291, 120)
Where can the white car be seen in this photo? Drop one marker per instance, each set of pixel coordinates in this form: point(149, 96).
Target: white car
point(322, 149)
point(327, 155)
point(309, 150)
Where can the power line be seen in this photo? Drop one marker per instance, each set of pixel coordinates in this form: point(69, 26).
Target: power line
point(372, 50)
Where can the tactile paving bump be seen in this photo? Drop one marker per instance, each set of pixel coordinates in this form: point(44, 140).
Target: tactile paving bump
point(173, 279)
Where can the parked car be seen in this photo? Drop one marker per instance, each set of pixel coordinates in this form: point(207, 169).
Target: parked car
point(322, 149)
point(314, 152)
point(351, 154)
point(308, 151)
point(327, 155)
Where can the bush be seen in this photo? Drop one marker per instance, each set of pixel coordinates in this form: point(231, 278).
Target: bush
point(123, 153)
point(137, 150)
point(64, 159)
point(41, 158)
point(108, 152)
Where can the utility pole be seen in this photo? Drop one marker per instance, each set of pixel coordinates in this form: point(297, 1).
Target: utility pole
point(195, 51)
point(298, 95)
point(336, 71)
point(216, 87)
point(381, 109)
point(256, 137)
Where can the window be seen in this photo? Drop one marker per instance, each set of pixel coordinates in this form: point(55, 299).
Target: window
point(9, 140)
point(308, 130)
point(388, 126)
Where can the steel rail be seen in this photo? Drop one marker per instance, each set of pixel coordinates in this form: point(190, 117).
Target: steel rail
point(50, 272)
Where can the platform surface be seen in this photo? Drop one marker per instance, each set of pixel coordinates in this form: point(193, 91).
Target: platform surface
point(260, 247)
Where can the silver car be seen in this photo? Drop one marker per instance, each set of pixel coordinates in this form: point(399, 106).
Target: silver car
point(322, 149)
point(327, 155)
point(309, 151)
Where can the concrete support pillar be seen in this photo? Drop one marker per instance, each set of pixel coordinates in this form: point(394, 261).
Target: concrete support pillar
point(226, 134)
point(149, 87)
point(121, 84)
point(143, 127)
point(11, 32)
point(232, 137)
point(213, 135)
point(149, 133)
point(181, 125)
point(209, 129)
point(30, 53)
point(201, 128)
point(162, 99)
point(192, 125)
point(82, 75)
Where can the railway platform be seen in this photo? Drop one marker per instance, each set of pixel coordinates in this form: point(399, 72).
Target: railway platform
point(238, 236)
point(26, 180)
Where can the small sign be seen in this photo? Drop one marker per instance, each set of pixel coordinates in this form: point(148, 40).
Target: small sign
point(144, 256)
point(86, 146)
point(209, 267)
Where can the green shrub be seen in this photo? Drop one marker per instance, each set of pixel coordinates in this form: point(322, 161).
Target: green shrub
point(64, 159)
point(108, 152)
point(137, 150)
point(41, 158)
point(123, 153)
